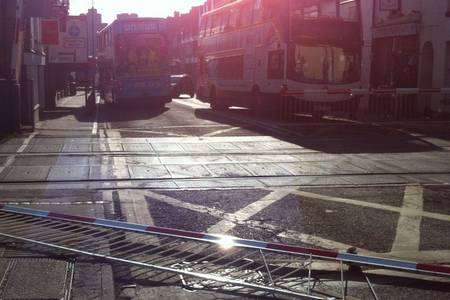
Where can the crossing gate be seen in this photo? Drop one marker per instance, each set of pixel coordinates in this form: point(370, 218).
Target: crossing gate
point(205, 261)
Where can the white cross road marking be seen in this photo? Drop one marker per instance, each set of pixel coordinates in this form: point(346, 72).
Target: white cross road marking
point(407, 211)
point(229, 221)
point(250, 210)
point(408, 226)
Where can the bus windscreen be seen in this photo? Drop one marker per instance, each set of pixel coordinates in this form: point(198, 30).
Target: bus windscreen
point(140, 55)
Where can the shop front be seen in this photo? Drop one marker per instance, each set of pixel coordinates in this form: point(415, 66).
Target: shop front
point(396, 53)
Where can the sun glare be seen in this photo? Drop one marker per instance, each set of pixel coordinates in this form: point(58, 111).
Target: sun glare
point(226, 242)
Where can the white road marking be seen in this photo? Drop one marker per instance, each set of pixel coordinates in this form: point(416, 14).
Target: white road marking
point(135, 208)
point(95, 128)
point(118, 161)
point(11, 158)
point(191, 103)
point(405, 211)
point(231, 220)
point(250, 210)
point(95, 125)
point(222, 131)
point(408, 227)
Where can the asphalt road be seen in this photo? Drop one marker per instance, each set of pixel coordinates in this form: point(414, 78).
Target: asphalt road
point(382, 188)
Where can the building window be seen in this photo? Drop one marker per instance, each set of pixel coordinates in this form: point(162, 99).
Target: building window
point(275, 65)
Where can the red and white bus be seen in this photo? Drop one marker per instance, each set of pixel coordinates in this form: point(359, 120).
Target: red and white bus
point(249, 49)
point(134, 62)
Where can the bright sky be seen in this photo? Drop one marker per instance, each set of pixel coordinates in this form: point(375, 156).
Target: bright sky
point(144, 8)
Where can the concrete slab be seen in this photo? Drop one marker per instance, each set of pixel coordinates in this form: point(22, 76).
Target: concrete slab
point(47, 140)
point(68, 173)
point(423, 166)
point(50, 148)
point(37, 279)
point(149, 172)
point(167, 147)
point(107, 172)
point(44, 160)
point(227, 170)
point(194, 159)
point(115, 147)
point(78, 148)
point(137, 148)
point(196, 147)
point(100, 147)
point(142, 160)
point(13, 141)
point(301, 168)
point(266, 169)
point(93, 281)
point(79, 140)
point(224, 146)
point(188, 171)
point(9, 148)
point(20, 174)
point(260, 145)
point(261, 158)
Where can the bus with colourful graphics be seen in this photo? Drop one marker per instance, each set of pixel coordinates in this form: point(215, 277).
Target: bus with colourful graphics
point(133, 62)
point(250, 49)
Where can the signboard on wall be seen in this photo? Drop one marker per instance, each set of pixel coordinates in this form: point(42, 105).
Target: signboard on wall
point(50, 32)
point(388, 5)
point(72, 44)
point(395, 30)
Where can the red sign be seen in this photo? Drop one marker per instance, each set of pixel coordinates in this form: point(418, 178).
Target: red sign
point(50, 32)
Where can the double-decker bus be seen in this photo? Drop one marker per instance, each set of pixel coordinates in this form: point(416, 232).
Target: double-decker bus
point(133, 62)
point(249, 49)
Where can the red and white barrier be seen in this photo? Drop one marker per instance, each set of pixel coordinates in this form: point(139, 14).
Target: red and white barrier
point(345, 257)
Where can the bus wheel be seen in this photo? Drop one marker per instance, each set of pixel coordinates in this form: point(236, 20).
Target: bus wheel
point(256, 104)
point(215, 103)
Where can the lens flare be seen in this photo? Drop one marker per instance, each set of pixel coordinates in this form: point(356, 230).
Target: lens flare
point(226, 242)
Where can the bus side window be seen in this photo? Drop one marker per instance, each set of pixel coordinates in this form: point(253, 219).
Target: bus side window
point(275, 65)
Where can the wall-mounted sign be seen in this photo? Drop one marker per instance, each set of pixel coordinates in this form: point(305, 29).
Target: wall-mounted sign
point(388, 5)
point(72, 44)
point(395, 30)
point(50, 32)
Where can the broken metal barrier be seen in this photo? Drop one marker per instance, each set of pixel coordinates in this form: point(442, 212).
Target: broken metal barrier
point(377, 104)
point(205, 261)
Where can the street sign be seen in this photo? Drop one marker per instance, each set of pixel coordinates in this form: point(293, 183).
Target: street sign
point(73, 43)
point(50, 32)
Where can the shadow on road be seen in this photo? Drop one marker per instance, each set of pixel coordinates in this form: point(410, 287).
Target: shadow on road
point(133, 113)
point(338, 137)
